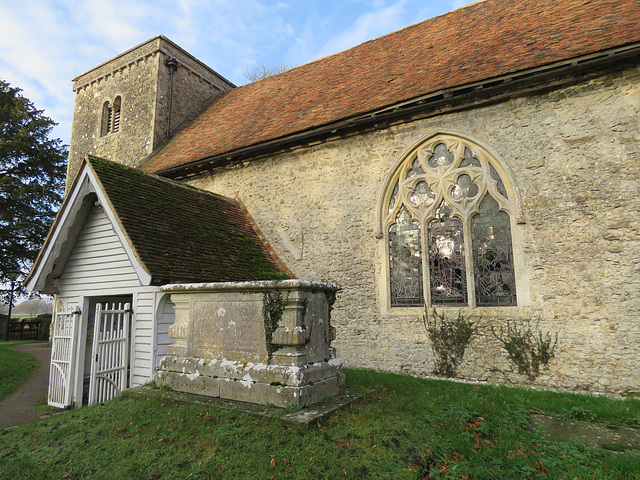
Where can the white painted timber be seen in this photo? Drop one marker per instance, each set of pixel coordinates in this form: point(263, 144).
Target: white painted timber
point(98, 261)
point(61, 379)
point(165, 318)
point(110, 352)
point(100, 266)
point(142, 364)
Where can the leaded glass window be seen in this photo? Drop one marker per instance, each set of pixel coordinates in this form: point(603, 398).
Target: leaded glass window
point(492, 257)
point(446, 258)
point(451, 199)
point(405, 258)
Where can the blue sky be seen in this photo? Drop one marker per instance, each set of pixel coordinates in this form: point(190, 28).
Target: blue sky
point(46, 43)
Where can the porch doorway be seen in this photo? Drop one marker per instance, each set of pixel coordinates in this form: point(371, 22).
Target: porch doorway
point(106, 369)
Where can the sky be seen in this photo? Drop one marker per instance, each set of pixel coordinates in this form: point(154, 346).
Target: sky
point(46, 43)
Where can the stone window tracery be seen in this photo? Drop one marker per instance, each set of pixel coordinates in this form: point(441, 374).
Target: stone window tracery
point(448, 199)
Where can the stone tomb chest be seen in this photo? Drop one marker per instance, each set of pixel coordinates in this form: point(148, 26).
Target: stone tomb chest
point(260, 342)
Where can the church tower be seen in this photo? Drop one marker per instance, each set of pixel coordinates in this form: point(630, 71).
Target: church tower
point(125, 107)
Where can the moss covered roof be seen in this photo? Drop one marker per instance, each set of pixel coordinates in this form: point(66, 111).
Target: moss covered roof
point(181, 234)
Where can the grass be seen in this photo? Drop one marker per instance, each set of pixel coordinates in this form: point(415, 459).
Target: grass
point(15, 367)
point(408, 429)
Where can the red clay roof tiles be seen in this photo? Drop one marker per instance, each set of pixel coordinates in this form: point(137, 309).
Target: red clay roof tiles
point(481, 41)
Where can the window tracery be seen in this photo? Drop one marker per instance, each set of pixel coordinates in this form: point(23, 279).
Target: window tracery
point(405, 261)
point(450, 201)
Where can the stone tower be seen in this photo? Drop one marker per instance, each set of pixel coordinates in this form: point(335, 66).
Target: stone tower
point(126, 107)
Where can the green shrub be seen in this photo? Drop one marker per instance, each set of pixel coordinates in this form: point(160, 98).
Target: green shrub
point(273, 305)
point(527, 346)
point(450, 338)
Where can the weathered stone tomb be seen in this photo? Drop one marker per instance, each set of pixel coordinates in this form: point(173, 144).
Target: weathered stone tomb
point(263, 342)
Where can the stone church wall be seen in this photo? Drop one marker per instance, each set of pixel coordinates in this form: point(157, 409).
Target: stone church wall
point(573, 156)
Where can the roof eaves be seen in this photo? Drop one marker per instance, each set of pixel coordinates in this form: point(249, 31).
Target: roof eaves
point(31, 281)
point(460, 97)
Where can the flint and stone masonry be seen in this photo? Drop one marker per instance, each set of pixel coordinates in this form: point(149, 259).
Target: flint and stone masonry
point(572, 155)
point(143, 81)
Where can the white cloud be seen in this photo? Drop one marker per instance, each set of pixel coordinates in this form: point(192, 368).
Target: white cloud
point(367, 26)
point(30, 58)
point(231, 36)
point(46, 43)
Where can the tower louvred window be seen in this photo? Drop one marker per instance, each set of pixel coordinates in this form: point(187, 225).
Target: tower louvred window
point(115, 115)
point(111, 117)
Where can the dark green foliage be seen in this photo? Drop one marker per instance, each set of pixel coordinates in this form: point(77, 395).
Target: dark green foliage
point(580, 413)
point(620, 447)
point(450, 338)
point(32, 172)
point(528, 347)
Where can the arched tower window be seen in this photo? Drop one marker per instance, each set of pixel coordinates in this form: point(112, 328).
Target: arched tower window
point(111, 117)
point(104, 124)
point(115, 115)
point(449, 198)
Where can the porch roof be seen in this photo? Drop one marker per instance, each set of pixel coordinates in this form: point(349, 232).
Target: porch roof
point(177, 233)
point(183, 234)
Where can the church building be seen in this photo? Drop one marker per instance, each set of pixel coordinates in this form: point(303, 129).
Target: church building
point(485, 162)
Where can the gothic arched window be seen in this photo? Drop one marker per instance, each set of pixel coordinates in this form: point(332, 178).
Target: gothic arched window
point(111, 117)
point(446, 198)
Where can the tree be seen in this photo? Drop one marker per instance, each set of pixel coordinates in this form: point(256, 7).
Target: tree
point(32, 172)
point(263, 71)
point(34, 306)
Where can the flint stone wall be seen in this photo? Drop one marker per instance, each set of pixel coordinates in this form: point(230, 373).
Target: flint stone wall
point(573, 155)
point(221, 349)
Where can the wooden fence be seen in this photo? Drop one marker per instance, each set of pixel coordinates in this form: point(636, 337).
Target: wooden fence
point(34, 328)
point(24, 330)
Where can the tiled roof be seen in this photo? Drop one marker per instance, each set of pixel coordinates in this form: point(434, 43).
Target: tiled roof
point(483, 40)
point(182, 234)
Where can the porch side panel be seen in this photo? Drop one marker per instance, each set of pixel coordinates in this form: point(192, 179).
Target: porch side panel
point(142, 365)
point(99, 266)
point(166, 317)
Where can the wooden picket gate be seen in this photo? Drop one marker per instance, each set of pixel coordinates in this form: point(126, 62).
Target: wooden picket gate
point(110, 353)
point(63, 357)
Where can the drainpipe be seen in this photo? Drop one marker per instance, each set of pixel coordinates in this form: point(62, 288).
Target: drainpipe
point(172, 63)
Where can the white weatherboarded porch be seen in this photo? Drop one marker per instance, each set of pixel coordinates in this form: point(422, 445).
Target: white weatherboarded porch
point(119, 237)
point(99, 272)
point(90, 266)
